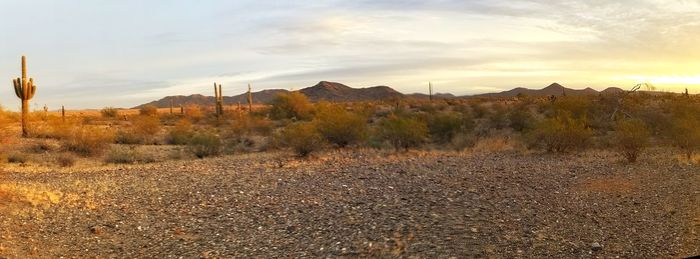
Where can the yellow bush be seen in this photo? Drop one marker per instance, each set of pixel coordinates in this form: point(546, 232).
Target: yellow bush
point(630, 138)
point(293, 105)
point(245, 124)
point(403, 132)
point(89, 140)
point(302, 137)
point(143, 130)
point(148, 110)
point(109, 112)
point(340, 126)
point(685, 133)
point(561, 133)
point(181, 133)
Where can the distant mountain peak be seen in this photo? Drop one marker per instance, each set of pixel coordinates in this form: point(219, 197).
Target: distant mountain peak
point(554, 86)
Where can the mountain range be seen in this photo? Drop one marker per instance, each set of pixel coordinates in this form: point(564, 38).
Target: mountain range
point(337, 92)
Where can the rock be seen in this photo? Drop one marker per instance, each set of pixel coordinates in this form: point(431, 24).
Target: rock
point(595, 246)
point(96, 230)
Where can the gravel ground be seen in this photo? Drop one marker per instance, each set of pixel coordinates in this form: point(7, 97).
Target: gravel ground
point(357, 204)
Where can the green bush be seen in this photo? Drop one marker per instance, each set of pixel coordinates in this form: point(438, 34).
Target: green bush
point(293, 105)
point(244, 124)
point(181, 133)
point(302, 137)
point(520, 119)
point(340, 126)
point(498, 118)
point(685, 133)
point(403, 132)
point(444, 126)
point(205, 144)
point(630, 138)
point(561, 133)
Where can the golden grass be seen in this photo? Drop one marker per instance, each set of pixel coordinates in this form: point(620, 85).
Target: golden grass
point(497, 144)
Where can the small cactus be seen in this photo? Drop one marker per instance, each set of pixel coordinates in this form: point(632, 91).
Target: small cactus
point(24, 89)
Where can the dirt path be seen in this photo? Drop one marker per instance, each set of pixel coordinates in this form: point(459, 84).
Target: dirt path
point(356, 204)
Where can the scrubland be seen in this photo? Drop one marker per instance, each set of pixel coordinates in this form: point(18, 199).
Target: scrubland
point(595, 176)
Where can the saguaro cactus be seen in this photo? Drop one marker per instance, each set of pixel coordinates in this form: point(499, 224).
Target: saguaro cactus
point(430, 90)
point(63, 113)
point(171, 105)
point(250, 99)
point(219, 100)
point(25, 89)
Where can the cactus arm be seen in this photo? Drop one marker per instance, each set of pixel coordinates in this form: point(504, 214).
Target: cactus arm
point(18, 87)
point(33, 91)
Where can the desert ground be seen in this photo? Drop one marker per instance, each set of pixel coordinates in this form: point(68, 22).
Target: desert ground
point(357, 203)
point(565, 177)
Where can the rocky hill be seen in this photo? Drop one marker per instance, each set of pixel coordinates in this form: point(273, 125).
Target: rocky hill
point(553, 89)
point(328, 91)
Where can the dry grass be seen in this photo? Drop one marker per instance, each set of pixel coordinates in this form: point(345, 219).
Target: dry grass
point(498, 144)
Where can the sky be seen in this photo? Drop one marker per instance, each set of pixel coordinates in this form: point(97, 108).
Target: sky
point(121, 53)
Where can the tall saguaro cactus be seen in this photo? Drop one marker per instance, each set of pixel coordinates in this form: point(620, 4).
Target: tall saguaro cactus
point(250, 99)
point(430, 90)
point(25, 89)
point(219, 100)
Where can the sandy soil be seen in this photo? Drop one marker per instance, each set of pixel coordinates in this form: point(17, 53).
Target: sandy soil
point(356, 203)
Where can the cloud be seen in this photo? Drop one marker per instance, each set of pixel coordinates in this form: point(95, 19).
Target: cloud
point(95, 54)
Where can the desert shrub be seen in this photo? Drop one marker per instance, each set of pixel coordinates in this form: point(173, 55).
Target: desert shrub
point(463, 141)
point(520, 119)
point(443, 127)
point(205, 144)
point(244, 124)
point(561, 133)
point(498, 118)
point(403, 132)
point(42, 147)
point(127, 155)
point(89, 140)
point(340, 126)
point(148, 110)
point(17, 157)
point(630, 138)
point(143, 130)
point(65, 160)
point(684, 133)
point(478, 109)
point(109, 112)
point(5, 124)
point(193, 112)
point(577, 106)
point(302, 137)
point(293, 105)
point(181, 133)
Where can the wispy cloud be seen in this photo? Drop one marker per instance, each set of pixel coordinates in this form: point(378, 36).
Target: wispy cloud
point(121, 53)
